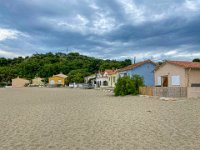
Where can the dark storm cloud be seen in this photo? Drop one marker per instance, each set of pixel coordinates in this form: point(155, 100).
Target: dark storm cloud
point(107, 29)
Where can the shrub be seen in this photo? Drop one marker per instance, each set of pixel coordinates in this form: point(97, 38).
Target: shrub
point(127, 85)
point(2, 84)
point(124, 86)
point(138, 82)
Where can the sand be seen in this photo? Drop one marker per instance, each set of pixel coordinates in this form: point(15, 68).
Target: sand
point(61, 119)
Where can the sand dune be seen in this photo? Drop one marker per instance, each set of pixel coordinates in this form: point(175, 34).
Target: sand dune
point(61, 119)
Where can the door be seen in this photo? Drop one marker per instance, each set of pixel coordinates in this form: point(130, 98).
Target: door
point(164, 81)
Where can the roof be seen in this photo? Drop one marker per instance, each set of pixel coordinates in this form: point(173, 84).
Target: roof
point(90, 76)
point(61, 75)
point(136, 65)
point(18, 78)
point(38, 78)
point(110, 72)
point(185, 64)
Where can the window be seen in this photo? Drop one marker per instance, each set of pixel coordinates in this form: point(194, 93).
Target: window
point(175, 80)
point(52, 82)
point(195, 85)
point(114, 79)
point(159, 81)
point(59, 81)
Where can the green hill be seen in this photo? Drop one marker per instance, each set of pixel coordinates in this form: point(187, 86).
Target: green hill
point(46, 65)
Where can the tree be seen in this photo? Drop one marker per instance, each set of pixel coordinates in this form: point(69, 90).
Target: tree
point(196, 60)
point(77, 76)
point(46, 65)
point(126, 62)
point(127, 85)
point(3, 62)
point(124, 86)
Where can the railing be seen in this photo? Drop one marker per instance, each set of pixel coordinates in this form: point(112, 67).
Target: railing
point(170, 91)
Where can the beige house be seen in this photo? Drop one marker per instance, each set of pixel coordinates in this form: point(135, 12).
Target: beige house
point(178, 74)
point(37, 81)
point(19, 82)
point(112, 78)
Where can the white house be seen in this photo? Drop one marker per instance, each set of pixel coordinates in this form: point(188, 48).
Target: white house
point(102, 79)
point(90, 79)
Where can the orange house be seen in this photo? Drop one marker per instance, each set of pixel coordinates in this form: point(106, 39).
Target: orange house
point(57, 79)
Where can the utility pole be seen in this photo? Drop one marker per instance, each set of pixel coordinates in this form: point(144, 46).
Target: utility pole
point(134, 60)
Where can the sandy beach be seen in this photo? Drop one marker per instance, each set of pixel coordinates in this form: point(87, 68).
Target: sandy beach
point(75, 119)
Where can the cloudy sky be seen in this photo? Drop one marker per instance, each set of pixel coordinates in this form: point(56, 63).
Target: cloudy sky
point(115, 29)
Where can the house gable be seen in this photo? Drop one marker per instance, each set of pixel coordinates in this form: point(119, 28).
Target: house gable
point(19, 82)
point(171, 71)
point(146, 70)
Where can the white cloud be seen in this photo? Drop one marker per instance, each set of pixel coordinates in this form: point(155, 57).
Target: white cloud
point(170, 53)
point(158, 17)
point(8, 54)
point(192, 4)
point(103, 23)
point(100, 24)
point(162, 54)
point(140, 13)
point(93, 6)
point(10, 34)
point(187, 55)
point(7, 34)
point(134, 12)
point(76, 24)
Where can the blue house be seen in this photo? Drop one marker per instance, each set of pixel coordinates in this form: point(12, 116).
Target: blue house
point(144, 69)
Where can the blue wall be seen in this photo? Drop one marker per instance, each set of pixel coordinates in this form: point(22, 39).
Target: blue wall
point(146, 71)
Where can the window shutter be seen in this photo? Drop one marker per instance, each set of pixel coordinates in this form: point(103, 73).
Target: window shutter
point(159, 81)
point(175, 80)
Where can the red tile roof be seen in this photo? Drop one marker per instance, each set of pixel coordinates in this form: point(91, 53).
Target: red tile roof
point(110, 72)
point(185, 64)
point(135, 65)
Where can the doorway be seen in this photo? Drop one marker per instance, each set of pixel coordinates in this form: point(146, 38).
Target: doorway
point(164, 81)
point(105, 83)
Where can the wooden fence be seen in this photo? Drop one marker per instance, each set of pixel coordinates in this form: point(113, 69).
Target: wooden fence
point(193, 92)
point(164, 91)
point(146, 91)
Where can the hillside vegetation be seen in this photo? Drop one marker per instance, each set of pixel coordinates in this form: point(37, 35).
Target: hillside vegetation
point(74, 65)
